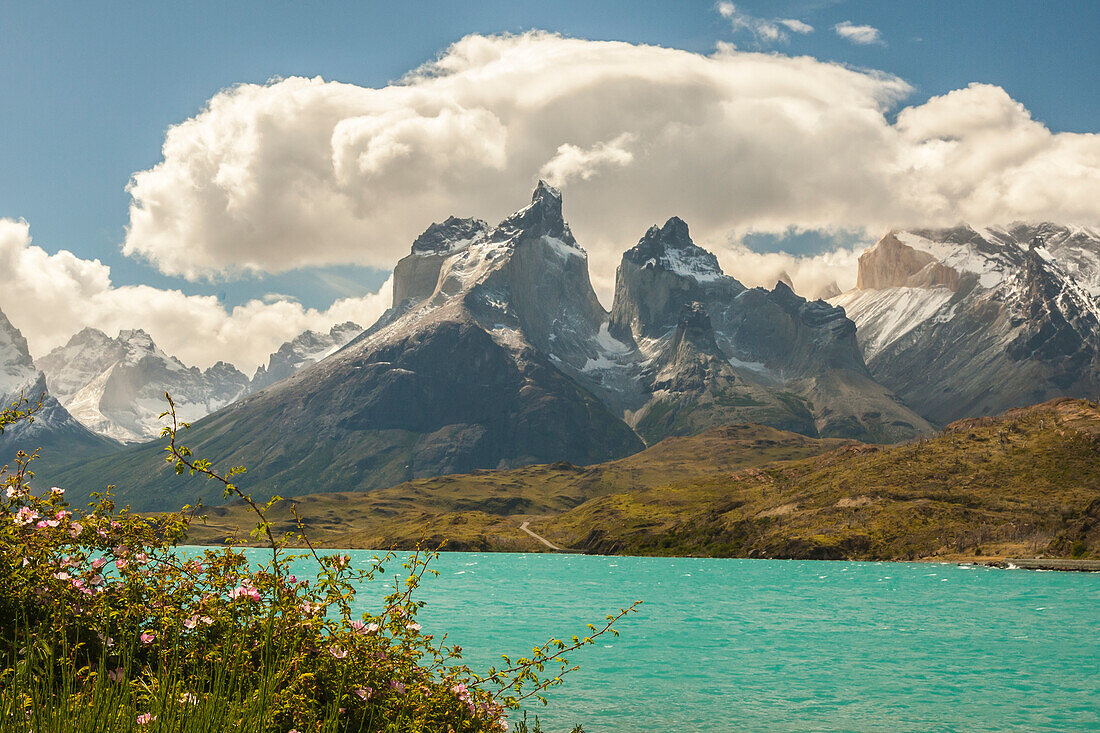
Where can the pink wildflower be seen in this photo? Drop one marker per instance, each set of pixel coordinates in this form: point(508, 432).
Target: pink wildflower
point(62, 514)
point(337, 652)
point(75, 529)
point(25, 516)
point(145, 718)
point(412, 627)
point(57, 490)
point(364, 693)
point(192, 622)
point(245, 591)
point(147, 637)
point(141, 557)
point(121, 564)
point(62, 575)
point(399, 686)
point(96, 580)
point(98, 563)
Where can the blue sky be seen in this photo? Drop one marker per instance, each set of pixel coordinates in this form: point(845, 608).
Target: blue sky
point(90, 88)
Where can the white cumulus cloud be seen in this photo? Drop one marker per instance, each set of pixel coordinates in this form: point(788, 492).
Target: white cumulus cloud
point(303, 172)
point(864, 35)
point(51, 296)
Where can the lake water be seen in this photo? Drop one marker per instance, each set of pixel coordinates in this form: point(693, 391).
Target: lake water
point(762, 645)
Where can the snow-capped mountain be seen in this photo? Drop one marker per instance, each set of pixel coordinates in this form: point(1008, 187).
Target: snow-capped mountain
point(967, 321)
point(497, 353)
point(53, 429)
point(116, 386)
point(304, 349)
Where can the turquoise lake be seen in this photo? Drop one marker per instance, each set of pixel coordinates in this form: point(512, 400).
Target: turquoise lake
point(762, 645)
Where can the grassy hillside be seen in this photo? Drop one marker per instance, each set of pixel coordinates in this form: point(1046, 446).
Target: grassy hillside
point(482, 510)
point(1024, 483)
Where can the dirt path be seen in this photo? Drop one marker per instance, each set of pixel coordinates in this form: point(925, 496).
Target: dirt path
point(542, 539)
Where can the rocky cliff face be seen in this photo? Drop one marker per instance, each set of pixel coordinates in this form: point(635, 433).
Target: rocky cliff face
point(116, 386)
point(786, 362)
point(1016, 324)
point(892, 264)
point(416, 274)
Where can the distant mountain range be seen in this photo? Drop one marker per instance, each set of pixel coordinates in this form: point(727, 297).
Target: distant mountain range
point(115, 386)
point(496, 353)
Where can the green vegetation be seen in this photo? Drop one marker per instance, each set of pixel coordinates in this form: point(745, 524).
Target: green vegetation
point(1021, 484)
point(106, 626)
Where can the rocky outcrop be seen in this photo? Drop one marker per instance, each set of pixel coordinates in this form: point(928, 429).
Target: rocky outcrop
point(664, 272)
point(892, 264)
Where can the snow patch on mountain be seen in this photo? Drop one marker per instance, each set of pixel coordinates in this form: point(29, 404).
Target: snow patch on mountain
point(884, 316)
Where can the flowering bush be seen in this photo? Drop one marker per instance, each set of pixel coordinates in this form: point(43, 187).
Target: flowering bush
point(106, 625)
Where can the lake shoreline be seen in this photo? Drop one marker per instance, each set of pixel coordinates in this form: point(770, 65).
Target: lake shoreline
point(991, 561)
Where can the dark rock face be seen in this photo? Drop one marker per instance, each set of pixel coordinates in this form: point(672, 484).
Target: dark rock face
point(660, 275)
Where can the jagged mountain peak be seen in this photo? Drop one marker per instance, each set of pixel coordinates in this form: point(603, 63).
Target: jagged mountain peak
point(670, 248)
point(543, 217)
point(16, 365)
point(448, 236)
point(88, 335)
point(115, 386)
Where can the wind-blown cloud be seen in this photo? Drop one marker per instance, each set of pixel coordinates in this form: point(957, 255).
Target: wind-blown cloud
point(864, 35)
point(302, 172)
point(572, 162)
point(764, 30)
point(51, 296)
